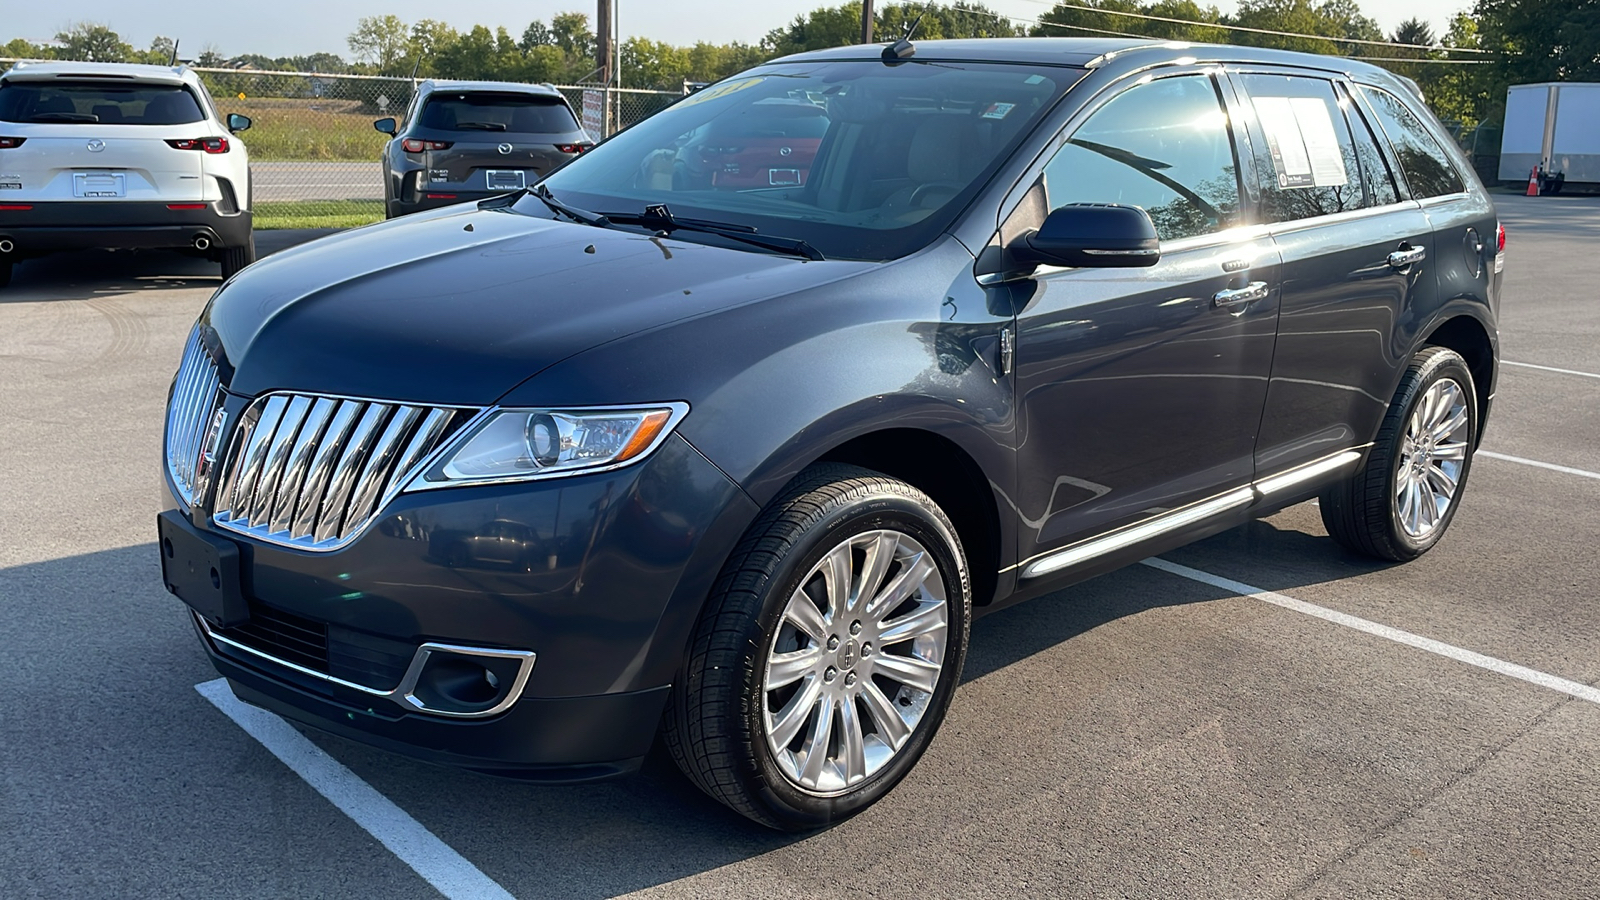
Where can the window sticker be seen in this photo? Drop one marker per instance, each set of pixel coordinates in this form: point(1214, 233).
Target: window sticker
point(720, 90)
point(999, 110)
point(1316, 128)
point(1300, 137)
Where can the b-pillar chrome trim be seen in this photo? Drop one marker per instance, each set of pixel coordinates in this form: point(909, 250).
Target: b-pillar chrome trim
point(403, 693)
point(1173, 520)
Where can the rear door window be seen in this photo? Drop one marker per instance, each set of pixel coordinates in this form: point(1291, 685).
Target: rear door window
point(1305, 154)
point(1163, 146)
point(1427, 169)
point(98, 103)
point(1374, 169)
point(485, 112)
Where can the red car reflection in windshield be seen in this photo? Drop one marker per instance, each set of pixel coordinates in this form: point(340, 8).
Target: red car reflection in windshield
point(772, 143)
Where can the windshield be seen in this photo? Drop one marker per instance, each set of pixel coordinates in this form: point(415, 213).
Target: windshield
point(512, 113)
point(862, 160)
point(98, 102)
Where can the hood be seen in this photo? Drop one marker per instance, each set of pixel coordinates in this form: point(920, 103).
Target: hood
point(460, 305)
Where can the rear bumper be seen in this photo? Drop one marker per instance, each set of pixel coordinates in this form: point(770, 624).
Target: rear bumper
point(72, 225)
point(437, 199)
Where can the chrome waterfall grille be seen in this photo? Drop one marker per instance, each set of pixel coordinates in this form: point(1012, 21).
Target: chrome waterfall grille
point(190, 414)
point(311, 472)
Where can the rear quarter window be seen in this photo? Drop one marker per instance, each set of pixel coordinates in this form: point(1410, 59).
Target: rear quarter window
point(98, 103)
point(1423, 162)
point(496, 113)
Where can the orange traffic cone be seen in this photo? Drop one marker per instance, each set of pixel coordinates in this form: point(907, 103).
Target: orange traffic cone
point(1533, 182)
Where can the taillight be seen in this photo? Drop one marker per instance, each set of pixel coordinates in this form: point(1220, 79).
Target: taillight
point(1499, 238)
point(10, 143)
point(574, 148)
point(208, 144)
point(412, 145)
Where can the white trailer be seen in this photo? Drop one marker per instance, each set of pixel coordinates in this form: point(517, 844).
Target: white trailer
point(1554, 127)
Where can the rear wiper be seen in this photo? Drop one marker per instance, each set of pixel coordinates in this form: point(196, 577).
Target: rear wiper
point(64, 117)
point(659, 218)
point(572, 212)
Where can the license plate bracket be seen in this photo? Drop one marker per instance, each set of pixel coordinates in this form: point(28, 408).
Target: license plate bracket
point(202, 570)
point(507, 179)
point(99, 185)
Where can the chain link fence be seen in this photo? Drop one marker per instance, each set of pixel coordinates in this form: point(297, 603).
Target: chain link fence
point(314, 155)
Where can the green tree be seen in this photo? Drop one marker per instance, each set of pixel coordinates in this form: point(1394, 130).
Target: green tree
point(17, 48)
point(1065, 21)
point(382, 42)
point(92, 42)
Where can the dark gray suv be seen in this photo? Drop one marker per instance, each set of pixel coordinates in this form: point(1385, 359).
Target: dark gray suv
point(519, 485)
point(467, 140)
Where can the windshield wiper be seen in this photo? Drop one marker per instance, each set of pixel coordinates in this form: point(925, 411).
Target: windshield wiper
point(63, 117)
point(659, 218)
point(572, 212)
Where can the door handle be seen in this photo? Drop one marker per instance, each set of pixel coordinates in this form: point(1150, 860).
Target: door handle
point(1407, 255)
point(1235, 299)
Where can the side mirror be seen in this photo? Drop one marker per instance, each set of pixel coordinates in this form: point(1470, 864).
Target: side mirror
point(238, 123)
point(387, 125)
point(1093, 235)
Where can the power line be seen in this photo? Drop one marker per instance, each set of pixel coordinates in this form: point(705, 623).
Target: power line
point(1323, 37)
point(1049, 24)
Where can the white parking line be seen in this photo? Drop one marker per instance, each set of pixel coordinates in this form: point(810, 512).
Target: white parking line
point(1549, 369)
point(1541, 465)
point(1449, 651)
point(417, 847)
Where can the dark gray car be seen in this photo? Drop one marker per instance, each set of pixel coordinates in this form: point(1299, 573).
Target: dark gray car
point(467, 140)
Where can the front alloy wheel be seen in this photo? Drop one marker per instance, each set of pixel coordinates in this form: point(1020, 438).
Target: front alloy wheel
point(855, 660)
point(827, 653)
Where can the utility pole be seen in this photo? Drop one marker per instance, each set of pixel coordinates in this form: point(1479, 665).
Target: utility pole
point(866, 21)
point(603, 52)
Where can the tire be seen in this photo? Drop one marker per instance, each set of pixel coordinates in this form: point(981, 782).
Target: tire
point(721, 718)
point(1402, 500)
point(234, 259)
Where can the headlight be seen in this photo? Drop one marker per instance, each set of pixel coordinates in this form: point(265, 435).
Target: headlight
point(525, 444)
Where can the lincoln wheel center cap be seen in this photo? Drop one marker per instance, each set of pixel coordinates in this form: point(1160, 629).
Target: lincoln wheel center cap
point(848, 654)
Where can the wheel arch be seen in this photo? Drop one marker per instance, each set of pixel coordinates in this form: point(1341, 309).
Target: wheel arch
point(940, 468)
point(1468, 337)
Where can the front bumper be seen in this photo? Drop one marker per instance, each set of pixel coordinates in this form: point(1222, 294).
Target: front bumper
point(45, 227)
point(601, 577)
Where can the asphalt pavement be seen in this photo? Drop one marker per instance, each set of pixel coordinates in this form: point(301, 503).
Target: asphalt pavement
point(280, 181)
point(1140, 735)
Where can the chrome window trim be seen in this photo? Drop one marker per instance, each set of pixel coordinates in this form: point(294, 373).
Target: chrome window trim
point(1340, 218)
point(1171, 520)
point(403, 694)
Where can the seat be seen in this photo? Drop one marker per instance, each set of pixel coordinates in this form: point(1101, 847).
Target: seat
point(940, 162)
point(168, 108)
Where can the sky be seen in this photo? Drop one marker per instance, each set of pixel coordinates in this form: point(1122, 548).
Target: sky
point(297, 27)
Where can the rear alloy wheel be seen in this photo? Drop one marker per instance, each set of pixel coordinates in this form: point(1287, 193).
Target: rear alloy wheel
point(1399, 504)
point(828, 652)
point(234, 259)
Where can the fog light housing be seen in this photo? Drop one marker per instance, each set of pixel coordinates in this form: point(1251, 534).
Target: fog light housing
point(465, 682)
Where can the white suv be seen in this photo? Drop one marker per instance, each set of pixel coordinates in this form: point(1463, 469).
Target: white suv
point(119, 157)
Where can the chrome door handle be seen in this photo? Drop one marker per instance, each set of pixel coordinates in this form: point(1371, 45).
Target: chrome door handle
point(1235, 298)
point(1399, 259)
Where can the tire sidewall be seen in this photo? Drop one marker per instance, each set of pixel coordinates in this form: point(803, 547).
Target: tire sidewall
point(1442, 365)
point(881, 509)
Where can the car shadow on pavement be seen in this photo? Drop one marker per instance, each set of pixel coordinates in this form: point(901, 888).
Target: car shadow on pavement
point(81, 274)
point(1278, 559)
point(579, 841)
